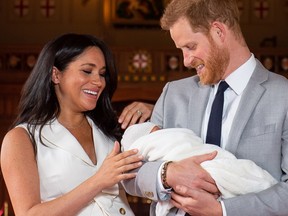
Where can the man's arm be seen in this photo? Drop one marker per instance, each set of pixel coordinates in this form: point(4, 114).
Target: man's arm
point(145, 183)
point(188, 172)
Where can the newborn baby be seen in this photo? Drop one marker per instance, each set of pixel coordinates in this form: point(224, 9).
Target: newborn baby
point(233, 176)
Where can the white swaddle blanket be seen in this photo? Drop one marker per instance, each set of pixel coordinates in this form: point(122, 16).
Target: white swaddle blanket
point(233, 176)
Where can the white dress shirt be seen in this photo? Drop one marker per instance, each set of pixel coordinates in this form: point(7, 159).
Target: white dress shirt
point(237, 82)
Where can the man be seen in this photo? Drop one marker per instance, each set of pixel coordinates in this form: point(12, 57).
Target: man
point(254, 120)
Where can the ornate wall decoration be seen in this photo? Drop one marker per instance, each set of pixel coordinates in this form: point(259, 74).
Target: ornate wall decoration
point(14, 61)
point(140, 61)
point(172, 63)
point(21, 7)
point(31, 60)
point(261, 8)
point(284, 64)
point(136, 13)
point(244, 10)
point(47, 8)
point(262, 11)
point(268, 62)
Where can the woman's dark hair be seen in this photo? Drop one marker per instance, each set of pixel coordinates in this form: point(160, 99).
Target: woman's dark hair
point(38, 103)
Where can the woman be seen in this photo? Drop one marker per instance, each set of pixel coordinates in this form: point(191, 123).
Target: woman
point(62, 156)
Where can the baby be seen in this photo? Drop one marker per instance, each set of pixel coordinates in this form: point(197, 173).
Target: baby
point(233, 176)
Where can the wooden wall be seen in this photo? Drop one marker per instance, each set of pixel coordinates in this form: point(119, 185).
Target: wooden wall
point(260, 19)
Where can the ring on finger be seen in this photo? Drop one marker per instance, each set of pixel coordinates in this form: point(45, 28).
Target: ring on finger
point(139, 113)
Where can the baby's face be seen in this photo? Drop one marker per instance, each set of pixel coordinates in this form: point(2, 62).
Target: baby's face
point(155, 129)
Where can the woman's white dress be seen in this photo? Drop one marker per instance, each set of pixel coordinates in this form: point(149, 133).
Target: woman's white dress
point(63, 165)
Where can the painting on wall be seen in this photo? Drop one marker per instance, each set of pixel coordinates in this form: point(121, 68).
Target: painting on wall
point(137, 13)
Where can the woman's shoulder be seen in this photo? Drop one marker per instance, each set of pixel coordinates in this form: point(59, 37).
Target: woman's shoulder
point(15, 144)
point(18, 131)
point(16, 137)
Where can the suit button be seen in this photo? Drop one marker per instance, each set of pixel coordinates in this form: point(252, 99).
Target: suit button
point(122, 211)
point(149, 194)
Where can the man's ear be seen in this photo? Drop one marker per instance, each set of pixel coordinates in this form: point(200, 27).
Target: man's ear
point(218, 30)
point(55, 75)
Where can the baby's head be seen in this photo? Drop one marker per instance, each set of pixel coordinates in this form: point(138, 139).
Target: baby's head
point(133, 132)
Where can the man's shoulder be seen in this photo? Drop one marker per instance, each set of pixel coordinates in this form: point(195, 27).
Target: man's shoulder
point(263, 75)
point(278, 77)
point(276, 83)
point(189, 81)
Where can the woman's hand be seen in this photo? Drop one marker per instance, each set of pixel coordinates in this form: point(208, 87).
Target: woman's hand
point(116, 166)
point(135, 112)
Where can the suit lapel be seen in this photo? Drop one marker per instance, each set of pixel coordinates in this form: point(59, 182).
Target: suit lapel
point(197, 107)
point(250, 98)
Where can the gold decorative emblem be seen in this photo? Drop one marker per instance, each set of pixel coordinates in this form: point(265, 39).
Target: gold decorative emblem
point(140, 62)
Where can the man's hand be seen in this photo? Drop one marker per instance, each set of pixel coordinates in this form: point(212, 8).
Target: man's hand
point(189, 173)
point(135, 112)
point(196, 202)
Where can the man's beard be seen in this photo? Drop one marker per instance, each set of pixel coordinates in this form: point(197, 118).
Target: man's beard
point(215, 65)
